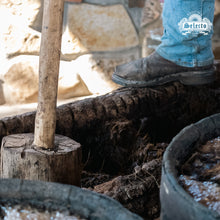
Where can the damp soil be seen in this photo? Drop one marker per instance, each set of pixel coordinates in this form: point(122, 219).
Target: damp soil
point(200, 175)
point(137, 186)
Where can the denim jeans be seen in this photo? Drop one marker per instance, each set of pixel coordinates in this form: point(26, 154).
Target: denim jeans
point(187, 32)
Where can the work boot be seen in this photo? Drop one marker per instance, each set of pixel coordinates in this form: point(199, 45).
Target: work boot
point(185, 53)
point(155, 70)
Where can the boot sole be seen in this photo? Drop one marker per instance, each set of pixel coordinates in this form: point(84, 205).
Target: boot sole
point(186, 78)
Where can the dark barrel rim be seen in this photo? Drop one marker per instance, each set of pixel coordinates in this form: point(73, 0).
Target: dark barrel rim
point(189, 137)
point(50, 195)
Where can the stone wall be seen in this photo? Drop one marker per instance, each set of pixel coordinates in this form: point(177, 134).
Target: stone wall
point(97, 36)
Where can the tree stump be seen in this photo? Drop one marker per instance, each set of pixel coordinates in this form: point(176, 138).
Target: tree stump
point(44, 156)
point(21, 159)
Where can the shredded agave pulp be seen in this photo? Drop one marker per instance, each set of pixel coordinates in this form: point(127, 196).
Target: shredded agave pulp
point(200, 175)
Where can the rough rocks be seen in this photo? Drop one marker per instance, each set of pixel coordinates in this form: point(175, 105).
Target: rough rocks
point(114, 29)
point(21, 80)
point(97, 36)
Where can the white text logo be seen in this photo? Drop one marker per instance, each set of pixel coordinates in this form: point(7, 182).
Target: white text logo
point(195, 24)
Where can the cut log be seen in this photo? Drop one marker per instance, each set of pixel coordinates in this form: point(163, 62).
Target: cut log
point(20, 159)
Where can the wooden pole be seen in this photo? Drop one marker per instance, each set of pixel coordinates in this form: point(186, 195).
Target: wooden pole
point(44, 156)
point(45, 122)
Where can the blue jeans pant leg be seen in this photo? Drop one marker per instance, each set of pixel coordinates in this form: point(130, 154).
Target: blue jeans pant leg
point(188, 31)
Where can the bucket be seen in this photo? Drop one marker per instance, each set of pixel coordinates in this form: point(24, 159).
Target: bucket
point(176, 203)
point(60, 197)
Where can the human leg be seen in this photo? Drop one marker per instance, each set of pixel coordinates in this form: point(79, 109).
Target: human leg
point(185, 53)
point(182, 44)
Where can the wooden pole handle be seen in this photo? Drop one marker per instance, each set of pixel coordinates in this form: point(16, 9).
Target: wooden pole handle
point(45, 122)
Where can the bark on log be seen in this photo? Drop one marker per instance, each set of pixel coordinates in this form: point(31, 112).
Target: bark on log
point(108, 126)
point(20, 159)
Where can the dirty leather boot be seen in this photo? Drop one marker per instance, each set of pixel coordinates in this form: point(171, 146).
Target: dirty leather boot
point(185, 53)
point(155, 70)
